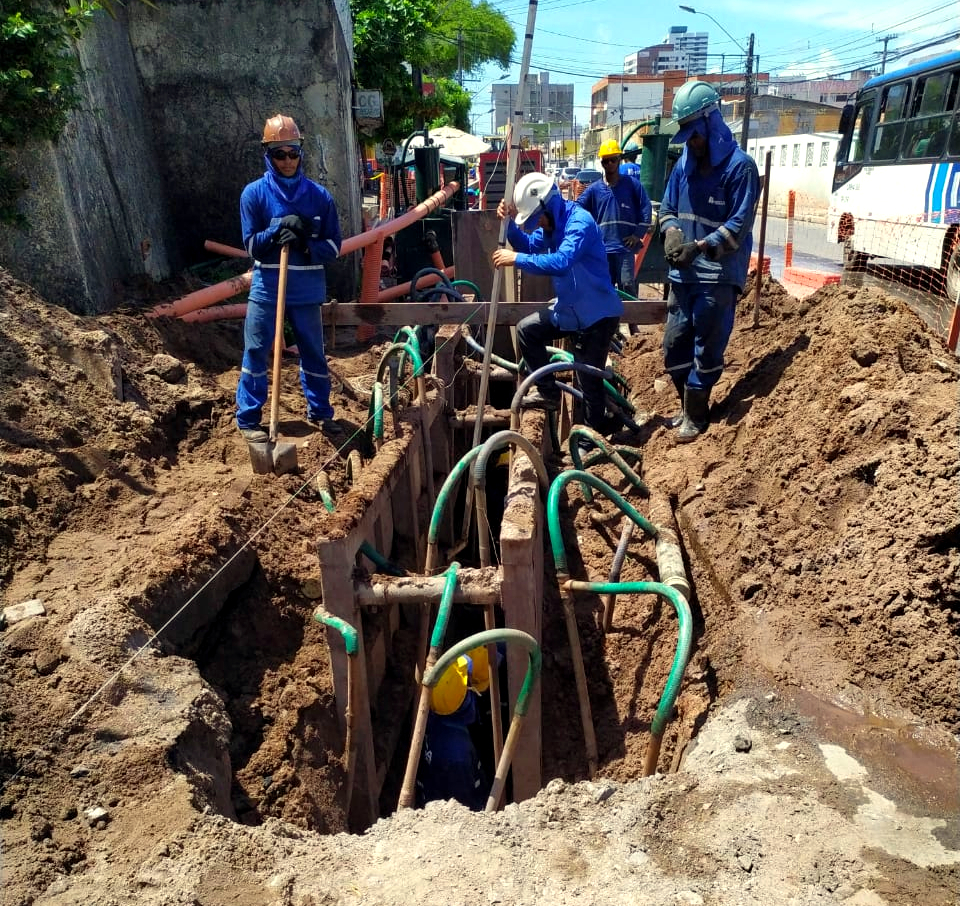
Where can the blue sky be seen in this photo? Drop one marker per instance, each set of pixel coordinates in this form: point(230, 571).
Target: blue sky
point(580, 41)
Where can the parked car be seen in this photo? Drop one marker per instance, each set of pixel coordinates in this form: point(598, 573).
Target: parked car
point(582, 180)
point(566, 175)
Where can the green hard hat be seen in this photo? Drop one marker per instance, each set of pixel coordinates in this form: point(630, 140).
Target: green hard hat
point(694, 99)
point(631, 147)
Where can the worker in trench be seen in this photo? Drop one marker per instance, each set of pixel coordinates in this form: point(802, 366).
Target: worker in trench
point(559, 238)
point(281, 208)
point(450, 766)
point(706, 219)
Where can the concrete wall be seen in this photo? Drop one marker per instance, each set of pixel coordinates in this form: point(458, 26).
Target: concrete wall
point(236, 63)
point(154, 164)
point(95, 204)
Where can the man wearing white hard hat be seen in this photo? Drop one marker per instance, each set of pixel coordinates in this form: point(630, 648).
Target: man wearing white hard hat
point(560, 239)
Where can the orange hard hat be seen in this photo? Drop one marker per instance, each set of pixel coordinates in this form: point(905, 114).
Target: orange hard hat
point(281, 130)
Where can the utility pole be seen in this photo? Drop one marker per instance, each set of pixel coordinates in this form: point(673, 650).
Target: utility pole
point(460, 57)
point(747, 96)
point(885, 41)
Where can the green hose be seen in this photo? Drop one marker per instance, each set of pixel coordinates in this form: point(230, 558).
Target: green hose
point(684, 639)
point(606, 453)
point(491, 637)
point(343, 627)
point(446, 605)
point(396, 349)
point(553, 511)
point(366, 548)
point(374, 425)
point(444, 493)
point(478, 296)
point(561, 355)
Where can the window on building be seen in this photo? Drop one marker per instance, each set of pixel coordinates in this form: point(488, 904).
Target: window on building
point(783, 155)
point(824, 153)
point(808, 158)
point(795, 161)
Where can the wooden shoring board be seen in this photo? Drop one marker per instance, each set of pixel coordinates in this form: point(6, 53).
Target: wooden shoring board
point(382, 489)
point(521, 551)
point(398, 314)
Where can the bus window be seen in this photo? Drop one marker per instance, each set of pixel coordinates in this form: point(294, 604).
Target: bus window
point(890, 125)
point(953, 148)
point(861, 129)
point(927, 132)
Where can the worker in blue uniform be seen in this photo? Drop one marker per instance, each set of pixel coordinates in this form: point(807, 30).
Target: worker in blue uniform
point(281, 208)
point(559, 238)
point(629, 165)
point(450, 767)
point(706, 219)
point(622, 210)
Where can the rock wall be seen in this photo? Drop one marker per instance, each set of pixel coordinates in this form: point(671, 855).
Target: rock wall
point(154, 163)
point(95, 202)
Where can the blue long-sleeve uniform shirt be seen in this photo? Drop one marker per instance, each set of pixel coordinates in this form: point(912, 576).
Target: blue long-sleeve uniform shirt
point(262, 204)
point(620, 211)
point(573, 255)
point(719, 208)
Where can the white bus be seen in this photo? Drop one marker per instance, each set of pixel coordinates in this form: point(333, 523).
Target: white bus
point(896, 186)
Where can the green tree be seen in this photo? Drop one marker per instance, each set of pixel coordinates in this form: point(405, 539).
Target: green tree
point(39, 69)
point(441, 39)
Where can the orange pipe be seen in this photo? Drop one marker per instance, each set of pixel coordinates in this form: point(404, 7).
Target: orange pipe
point(210, 295)
point(227, 250)
point(216, 313)
point(203, 298)
point(239, 309)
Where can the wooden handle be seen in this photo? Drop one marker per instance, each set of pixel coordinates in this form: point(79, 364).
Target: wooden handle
point(278, 343)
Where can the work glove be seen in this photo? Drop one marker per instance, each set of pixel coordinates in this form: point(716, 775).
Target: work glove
point(686, 255)
point(285, 236)
point(671, 244)
point(295, 223)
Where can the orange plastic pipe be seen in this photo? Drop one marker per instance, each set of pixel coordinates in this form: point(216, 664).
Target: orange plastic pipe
point(216, 313)
point(228, 250)
point(210, 295)
point(203, 298)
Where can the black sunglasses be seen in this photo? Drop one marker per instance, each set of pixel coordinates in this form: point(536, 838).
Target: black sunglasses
point(280, 154)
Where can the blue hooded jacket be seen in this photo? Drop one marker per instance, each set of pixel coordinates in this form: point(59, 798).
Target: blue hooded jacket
point(262, 204)
point(718, 207)
point(573, 255)
point(621, 211)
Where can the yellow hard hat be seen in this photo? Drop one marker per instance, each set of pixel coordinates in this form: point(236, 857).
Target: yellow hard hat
point(282, 130)
point(481, 668)
point(609, 148)
point(451, 689)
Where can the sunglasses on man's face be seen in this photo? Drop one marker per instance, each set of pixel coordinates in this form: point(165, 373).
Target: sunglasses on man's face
point(280, 154)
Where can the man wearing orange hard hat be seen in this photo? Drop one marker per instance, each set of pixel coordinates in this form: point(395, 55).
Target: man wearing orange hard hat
point(285, 208)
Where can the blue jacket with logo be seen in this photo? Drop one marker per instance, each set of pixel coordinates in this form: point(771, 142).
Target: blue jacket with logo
point(718, 207)
point(620, 211)
point(262, 204)
point(573, 255)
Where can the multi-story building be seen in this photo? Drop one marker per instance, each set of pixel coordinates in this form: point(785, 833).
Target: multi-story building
point(544, 102)
point(835, 92)
point(680, 49)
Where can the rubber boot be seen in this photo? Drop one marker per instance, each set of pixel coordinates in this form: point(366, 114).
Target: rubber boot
point(696, 414)
point(677, 420)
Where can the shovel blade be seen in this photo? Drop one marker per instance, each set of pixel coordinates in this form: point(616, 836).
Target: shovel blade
point(276, 457)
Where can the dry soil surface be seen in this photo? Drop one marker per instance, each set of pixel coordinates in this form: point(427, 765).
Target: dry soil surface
point(169, 728)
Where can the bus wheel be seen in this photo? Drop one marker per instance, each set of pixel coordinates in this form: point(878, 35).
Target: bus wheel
point(951, 282)
point(854, 265)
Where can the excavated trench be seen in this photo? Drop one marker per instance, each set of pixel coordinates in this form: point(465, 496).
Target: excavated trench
point(280, 673)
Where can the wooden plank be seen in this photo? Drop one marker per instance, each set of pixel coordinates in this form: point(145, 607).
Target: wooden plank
point(521, 548)
point(642, 311)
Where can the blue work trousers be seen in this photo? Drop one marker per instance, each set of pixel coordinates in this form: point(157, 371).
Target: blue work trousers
point(590, 346)
point(622, 265)
point(258, 334)
point(699, 324)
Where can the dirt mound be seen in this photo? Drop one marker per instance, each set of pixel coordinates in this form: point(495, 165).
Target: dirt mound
point(820, 520)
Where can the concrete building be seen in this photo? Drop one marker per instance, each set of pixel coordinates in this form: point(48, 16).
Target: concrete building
point(543, 102)
point(835, 92)
point(680, 49)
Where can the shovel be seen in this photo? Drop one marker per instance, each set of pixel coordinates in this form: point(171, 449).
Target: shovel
point(274, 456)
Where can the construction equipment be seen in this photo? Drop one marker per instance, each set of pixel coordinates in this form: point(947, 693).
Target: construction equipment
point(273, 455)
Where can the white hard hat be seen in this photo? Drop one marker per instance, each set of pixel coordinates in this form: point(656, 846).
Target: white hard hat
point(530, 195)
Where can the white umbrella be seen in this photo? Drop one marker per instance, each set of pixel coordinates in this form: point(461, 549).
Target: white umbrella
point(453, 141)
